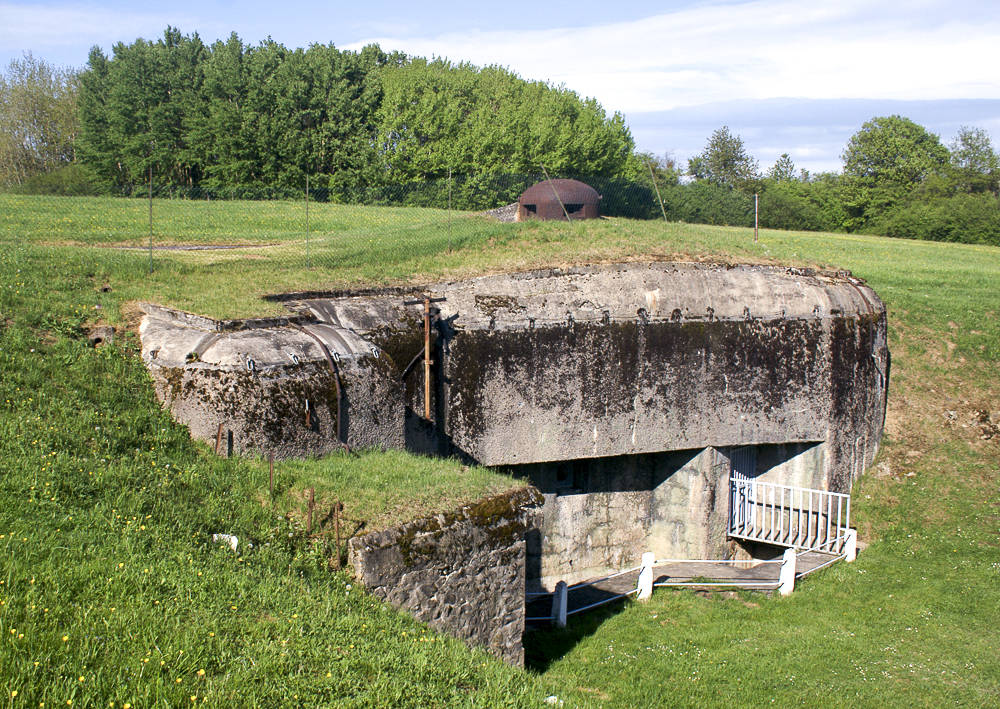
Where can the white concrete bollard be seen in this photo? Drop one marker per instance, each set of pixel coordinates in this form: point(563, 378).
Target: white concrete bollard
point(786, 579)
point(645, 582)
point(559, 601)
point(851, 545)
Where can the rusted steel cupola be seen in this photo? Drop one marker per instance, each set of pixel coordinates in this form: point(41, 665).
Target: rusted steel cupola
point(553, 200)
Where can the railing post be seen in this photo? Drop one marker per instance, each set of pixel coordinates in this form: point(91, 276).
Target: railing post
point(786, 579)
point(559, 600)
point(851, 545)
point(645, 582)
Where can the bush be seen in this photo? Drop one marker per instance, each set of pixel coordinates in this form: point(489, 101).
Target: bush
point(962, 218)
point(73, 180)
point(702, 203)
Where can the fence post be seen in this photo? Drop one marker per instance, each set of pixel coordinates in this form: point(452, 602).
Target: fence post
point(645, 582)
point(150, 220)
point(786, 579)
point(559, 601)
point(756, 212)
point(658, 197)
point(851, 545)
point(270, 474)
point(308, 265)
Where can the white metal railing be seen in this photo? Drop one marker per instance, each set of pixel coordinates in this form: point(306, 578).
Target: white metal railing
point(822, 537)
point(801, 518)
point(560, 598)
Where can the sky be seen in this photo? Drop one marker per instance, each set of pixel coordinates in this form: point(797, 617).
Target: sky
point(787, 76)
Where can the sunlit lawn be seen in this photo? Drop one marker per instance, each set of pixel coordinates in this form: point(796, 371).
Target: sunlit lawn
point(112, 592)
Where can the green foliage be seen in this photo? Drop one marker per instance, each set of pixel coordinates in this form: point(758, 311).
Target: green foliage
point(38, 120)
point(703, 202)
point(724, 162)
point(72, 180)
point(964, 218)
point(975, 165)
point(783, 169)
point(803, 205)
point(230, 116)
point(885, 161)
point(437, 116)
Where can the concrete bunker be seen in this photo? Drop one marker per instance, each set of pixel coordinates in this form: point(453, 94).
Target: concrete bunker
point(628, 394)
point(559, 200)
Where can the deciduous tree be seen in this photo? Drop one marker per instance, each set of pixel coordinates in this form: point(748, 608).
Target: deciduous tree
point(38, 119)
point(883, 162)
point(974, 161)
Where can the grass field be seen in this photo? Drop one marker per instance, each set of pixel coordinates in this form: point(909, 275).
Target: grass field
point(111, 592)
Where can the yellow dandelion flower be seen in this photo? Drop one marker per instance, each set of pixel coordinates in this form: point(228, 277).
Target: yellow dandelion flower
point(201, 673)
point(65, 638)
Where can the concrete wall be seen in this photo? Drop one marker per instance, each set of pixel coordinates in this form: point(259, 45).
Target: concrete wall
point(600, 515)
point(461, 573)
point(272, 385)
point(617, 390)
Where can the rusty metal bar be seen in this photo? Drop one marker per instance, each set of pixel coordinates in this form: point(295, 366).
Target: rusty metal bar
point(426, 300)
point(336, 527)
point(427, 358)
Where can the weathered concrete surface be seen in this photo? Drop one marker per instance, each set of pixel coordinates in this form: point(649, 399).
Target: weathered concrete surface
point(623, 360)
point(272, 384)
point(565, 365)
point(461, 573)
point(620, 391)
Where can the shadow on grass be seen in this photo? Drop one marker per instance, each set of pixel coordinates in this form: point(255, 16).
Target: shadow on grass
point(544, 645)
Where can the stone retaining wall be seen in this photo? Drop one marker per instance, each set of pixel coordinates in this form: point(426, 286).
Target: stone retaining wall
point(462, 573)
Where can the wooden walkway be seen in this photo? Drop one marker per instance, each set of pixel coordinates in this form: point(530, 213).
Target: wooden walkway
point(702, 576)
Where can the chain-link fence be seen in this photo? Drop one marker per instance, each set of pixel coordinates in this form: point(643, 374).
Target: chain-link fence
point(181, 238)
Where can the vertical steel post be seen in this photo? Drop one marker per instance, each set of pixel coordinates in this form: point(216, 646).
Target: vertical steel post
point(427, 358)
point(307, 222)
point(151, 219)
point(755, 214)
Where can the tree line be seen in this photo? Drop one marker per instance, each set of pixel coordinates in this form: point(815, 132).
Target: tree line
point(231, 116)
point(898, 180)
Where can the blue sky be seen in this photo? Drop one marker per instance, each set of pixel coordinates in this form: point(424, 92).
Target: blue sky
point(786, 75)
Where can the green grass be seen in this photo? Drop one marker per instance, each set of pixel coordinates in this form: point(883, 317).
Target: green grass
point(106, 507)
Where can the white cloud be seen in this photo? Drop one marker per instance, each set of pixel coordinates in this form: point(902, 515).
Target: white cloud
point(752, 50)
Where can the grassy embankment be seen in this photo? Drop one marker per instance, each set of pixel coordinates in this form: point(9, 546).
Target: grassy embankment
point(110, 591)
